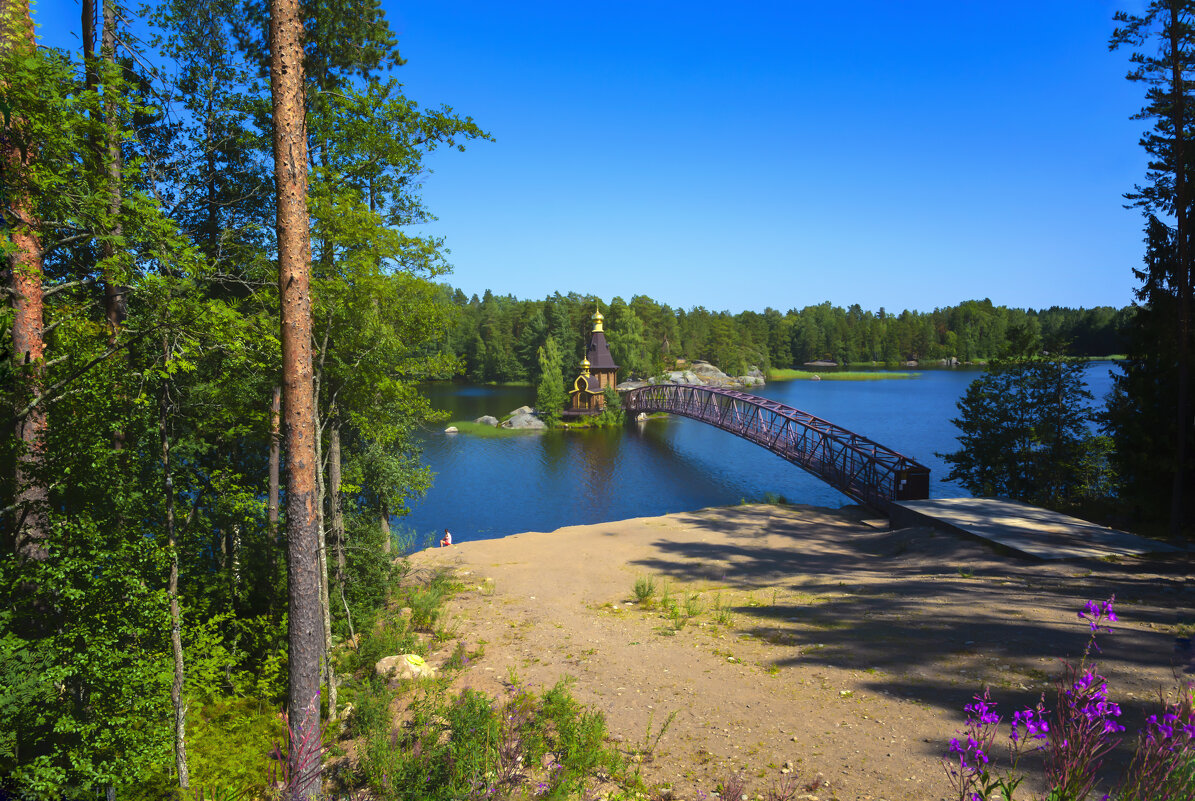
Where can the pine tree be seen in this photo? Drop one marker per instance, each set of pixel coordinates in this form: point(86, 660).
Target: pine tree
point(294, 255)
point(1024, 433)
point(1164, 55)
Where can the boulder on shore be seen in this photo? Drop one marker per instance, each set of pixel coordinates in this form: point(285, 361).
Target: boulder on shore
point(704, 374)
point(524, 417)
point(450, 430)
point(487, 420)
point(404, 666)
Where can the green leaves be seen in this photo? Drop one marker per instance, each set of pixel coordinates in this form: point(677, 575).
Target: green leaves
point(1024, 433)
point(549, 394)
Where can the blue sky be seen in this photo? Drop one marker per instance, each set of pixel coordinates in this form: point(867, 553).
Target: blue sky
point(904, 154)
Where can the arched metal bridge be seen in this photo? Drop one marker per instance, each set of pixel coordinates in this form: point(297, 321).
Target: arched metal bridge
point(854, 465)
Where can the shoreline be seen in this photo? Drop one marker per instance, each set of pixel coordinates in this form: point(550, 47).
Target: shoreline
point(816, 639)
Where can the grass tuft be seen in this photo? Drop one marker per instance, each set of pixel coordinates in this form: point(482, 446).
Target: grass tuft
point(645, 591)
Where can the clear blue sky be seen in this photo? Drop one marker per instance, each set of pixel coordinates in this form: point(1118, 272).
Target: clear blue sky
point(895, 153)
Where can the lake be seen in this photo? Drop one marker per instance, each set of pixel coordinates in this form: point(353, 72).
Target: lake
point(490, 487)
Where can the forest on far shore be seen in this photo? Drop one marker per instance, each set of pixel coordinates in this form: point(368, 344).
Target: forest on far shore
point(497, 337)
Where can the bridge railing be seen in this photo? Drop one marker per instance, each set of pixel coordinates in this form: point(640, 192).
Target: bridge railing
point(853, 464)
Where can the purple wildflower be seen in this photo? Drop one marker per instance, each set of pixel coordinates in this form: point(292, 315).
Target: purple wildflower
point(1035, 723)
point(967, 758)
point(1098, 616)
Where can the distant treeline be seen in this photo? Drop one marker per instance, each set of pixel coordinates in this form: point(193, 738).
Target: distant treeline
point(497, 337)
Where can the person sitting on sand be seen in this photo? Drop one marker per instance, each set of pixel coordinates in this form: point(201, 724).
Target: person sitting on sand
point(446, 540)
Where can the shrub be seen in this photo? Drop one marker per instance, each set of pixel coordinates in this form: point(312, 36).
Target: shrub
point(645, 590)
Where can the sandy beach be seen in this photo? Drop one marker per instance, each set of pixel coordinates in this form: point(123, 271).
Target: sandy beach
point(819, 639)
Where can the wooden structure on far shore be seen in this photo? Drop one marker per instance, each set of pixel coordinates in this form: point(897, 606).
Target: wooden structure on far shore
point(598, 371)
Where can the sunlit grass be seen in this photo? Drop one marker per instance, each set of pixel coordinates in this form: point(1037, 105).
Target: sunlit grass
point(483, 430)
point(777, 374)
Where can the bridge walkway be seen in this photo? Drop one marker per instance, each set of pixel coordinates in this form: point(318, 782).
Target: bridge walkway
point(865, 471)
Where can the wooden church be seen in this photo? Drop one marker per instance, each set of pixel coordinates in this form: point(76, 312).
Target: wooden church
point(598, 371)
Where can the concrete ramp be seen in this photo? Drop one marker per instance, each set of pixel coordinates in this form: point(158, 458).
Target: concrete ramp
point(1029, 530)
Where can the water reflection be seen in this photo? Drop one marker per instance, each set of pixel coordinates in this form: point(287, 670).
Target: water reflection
point(492, 487)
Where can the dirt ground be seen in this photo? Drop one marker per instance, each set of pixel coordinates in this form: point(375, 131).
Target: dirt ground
point(822, 644)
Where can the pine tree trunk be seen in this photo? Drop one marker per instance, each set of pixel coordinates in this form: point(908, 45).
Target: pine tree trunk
point(176, 642)
point(275, 456)
point(25, 273)
point(294, 276)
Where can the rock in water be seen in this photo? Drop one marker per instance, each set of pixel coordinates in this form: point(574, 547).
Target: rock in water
point(524, 419)
point(450, 430)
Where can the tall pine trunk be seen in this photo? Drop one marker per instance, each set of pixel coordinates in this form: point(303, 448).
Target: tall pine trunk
point(294, 278)
point(275, 456)
point(25, 275)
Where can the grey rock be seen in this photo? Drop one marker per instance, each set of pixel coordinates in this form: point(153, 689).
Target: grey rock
point(487, 420)
point(708, 373)
point(524, 420)
point(523, 410)
point(450, 430)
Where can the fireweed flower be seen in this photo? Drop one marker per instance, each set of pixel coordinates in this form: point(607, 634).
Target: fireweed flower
point(967, 758)
point(1035, 724)
point(1098, 616)
point(1088, 697)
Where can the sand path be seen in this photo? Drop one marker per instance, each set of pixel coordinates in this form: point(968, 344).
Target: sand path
point(845, 649)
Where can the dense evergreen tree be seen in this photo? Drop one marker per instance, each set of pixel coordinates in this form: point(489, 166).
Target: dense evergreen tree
point(1025, 433)
point(1151, 415)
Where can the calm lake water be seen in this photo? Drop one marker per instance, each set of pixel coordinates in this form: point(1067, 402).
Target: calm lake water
point(487, 488)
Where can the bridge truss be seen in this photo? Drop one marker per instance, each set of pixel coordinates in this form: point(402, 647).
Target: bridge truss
point(854, 465)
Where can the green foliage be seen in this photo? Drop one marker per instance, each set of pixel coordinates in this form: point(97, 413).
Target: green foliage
point(467, 745)
point(85, 661)
point(627, 336)
point(645, 590)
point(229, 741)
point(1142, 410)
point(1025, 433)
point(549, 395)
point(81, 677)
point(497, 336)
point(426, 599)
point(1149, 414)
point(611, 414)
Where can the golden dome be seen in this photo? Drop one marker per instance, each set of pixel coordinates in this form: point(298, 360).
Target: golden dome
point(597, 321)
